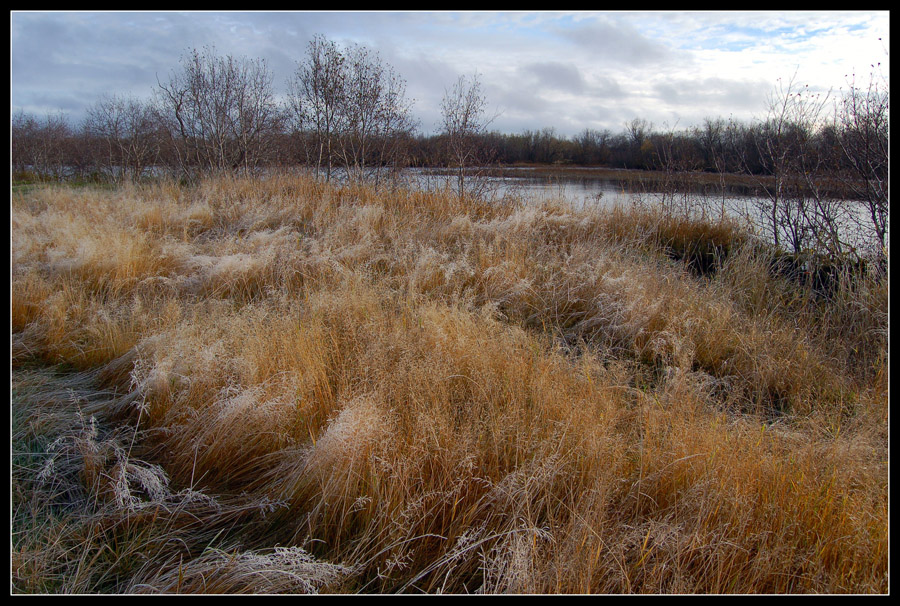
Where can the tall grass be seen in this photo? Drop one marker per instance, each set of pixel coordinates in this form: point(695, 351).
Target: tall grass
point(273, 385)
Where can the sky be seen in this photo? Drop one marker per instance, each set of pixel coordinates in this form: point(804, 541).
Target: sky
point(539, 69)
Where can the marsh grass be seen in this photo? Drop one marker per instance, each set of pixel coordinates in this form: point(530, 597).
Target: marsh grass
point(273, 385)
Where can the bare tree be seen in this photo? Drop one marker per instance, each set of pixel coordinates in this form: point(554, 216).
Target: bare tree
point(823, 215)
point(676, 157)
point(820, 167)
point(314, 96)
point(592, 145)
point(463, 110)
point(782, 142)
point(641, 149)
point(221, 111)
point(128, 129)
point(23, 128)
point(863, 129)
point(396, 124)
point(360, 108)
point(375, 112)
point(41, 146)
point(355, 105)
point(716, 139)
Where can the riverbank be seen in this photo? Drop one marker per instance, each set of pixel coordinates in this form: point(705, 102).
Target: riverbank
point(638, 180)
point(279, 385)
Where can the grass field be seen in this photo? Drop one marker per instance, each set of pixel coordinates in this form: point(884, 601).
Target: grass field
point(274, 385)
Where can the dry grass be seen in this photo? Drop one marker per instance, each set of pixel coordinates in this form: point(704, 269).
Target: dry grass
point(275, 386)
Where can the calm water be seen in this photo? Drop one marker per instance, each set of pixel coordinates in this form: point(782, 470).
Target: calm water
point(588, 191)
point(592, 191)
point(580, 191)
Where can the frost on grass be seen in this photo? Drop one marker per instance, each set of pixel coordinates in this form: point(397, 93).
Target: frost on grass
point(282, 570)
point(344, 448)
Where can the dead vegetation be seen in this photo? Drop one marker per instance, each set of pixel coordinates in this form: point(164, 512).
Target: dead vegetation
point(273, 385)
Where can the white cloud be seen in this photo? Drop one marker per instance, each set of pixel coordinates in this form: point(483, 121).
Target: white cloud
point(542, 69)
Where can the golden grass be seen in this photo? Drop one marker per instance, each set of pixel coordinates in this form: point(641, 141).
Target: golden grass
point(273, 385)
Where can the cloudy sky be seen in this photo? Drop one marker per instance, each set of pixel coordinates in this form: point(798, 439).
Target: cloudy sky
point(566, 70)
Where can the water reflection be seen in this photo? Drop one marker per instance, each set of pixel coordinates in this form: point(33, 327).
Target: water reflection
point(581, 191)
point(713, 201)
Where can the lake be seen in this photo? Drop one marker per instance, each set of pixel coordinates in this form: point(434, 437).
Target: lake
point(695, 194)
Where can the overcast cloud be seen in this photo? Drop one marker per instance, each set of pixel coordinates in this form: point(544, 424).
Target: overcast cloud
point(568, 71)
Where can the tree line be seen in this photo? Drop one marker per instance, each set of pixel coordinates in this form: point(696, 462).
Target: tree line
point(346, 110)
point(345, 107)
